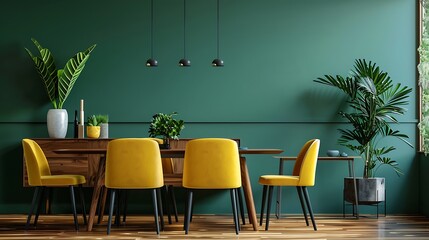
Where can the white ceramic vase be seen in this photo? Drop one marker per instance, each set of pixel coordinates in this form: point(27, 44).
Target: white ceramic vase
point(57, 120)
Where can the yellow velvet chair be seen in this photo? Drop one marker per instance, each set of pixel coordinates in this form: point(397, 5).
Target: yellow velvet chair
point(211, 163)
point(39, 176)
point(303, 176)
point(168, 169)
point(134, 163)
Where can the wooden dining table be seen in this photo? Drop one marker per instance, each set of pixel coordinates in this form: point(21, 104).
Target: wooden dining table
point(172, 153)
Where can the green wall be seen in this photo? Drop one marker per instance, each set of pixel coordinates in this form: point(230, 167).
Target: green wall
point(265, 94)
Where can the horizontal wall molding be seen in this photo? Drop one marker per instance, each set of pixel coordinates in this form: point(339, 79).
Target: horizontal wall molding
point(224, 122)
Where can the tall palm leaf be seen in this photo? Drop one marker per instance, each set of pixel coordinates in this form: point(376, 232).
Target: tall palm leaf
point(47, 70)
point(68, 76)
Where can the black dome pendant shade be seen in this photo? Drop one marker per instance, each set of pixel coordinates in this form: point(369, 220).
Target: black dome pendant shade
point(184, 62)
point(151, 62)
point(217, 62)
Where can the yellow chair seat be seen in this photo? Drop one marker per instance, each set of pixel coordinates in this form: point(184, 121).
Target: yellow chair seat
point(62, 180)
point(279, 180)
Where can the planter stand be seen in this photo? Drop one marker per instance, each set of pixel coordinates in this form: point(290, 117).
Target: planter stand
point(372, 193)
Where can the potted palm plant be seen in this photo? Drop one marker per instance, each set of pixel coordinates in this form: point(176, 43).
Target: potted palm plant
point(166, 126)
point(374, 101)
point(58, 84)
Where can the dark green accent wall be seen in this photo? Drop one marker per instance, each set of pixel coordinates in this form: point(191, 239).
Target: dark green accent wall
point(265, 94)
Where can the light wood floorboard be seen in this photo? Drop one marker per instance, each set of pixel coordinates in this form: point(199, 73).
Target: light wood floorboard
point(222, 227)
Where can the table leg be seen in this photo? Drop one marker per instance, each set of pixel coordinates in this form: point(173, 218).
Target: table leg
point(102, 203)
point(99, 182)
point(248, 195)
point(279, 193)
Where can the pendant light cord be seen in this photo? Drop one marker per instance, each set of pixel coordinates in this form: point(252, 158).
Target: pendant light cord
point(151, 29)
point(184, 29)
point(218, 29)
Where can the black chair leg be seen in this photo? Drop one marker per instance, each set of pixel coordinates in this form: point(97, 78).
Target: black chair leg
point(301, 200)
point(76, 224)
point(160, 209)
point(125, 204)
point(188, 211)
point(33, 205)
point(118, 207)
point(264, 198)
point(165, 196)
point(240, 204)
point(112, 204)
point(173, 200)
point(270, 198)
point(42, 197)
point(192, 213)
point(307, 200)
point(82, 202)
point(233, 193)
point(155, 208)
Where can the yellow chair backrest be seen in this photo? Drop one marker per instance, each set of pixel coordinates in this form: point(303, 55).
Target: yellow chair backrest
point(133, 163)
point(167, 163)
point(211, 163)
point(307, 172)
point(300, 158)
point(35, 162)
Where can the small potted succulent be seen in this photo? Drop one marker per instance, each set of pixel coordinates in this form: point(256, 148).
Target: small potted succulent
point(166, 126)
point(103, 121)
point(93, 128)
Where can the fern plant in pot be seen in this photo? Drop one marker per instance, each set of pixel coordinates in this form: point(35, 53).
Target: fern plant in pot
point(58, 84)
point(373, 102)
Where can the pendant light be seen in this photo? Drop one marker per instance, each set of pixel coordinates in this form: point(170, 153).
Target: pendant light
point(217, 62)
point(151, 62)
point(184, 62)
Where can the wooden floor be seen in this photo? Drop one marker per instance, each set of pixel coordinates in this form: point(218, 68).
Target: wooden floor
point(221, 227)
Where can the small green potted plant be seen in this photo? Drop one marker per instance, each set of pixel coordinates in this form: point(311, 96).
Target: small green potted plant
point(93, 128)
point(103, 121)
point(58, 84)
point(166, 126)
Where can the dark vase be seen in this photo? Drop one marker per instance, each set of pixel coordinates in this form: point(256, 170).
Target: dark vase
point(166, 144)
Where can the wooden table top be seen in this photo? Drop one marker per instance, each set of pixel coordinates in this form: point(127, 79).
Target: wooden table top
point(164, 152)
point(339, 158)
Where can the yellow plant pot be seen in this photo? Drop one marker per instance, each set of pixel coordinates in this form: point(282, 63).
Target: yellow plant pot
point(93, 131)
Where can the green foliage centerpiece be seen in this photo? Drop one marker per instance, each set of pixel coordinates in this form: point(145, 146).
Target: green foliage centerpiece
point(166, 126)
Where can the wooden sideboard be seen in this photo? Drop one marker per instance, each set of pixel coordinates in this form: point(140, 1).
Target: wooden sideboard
point(86, 164)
